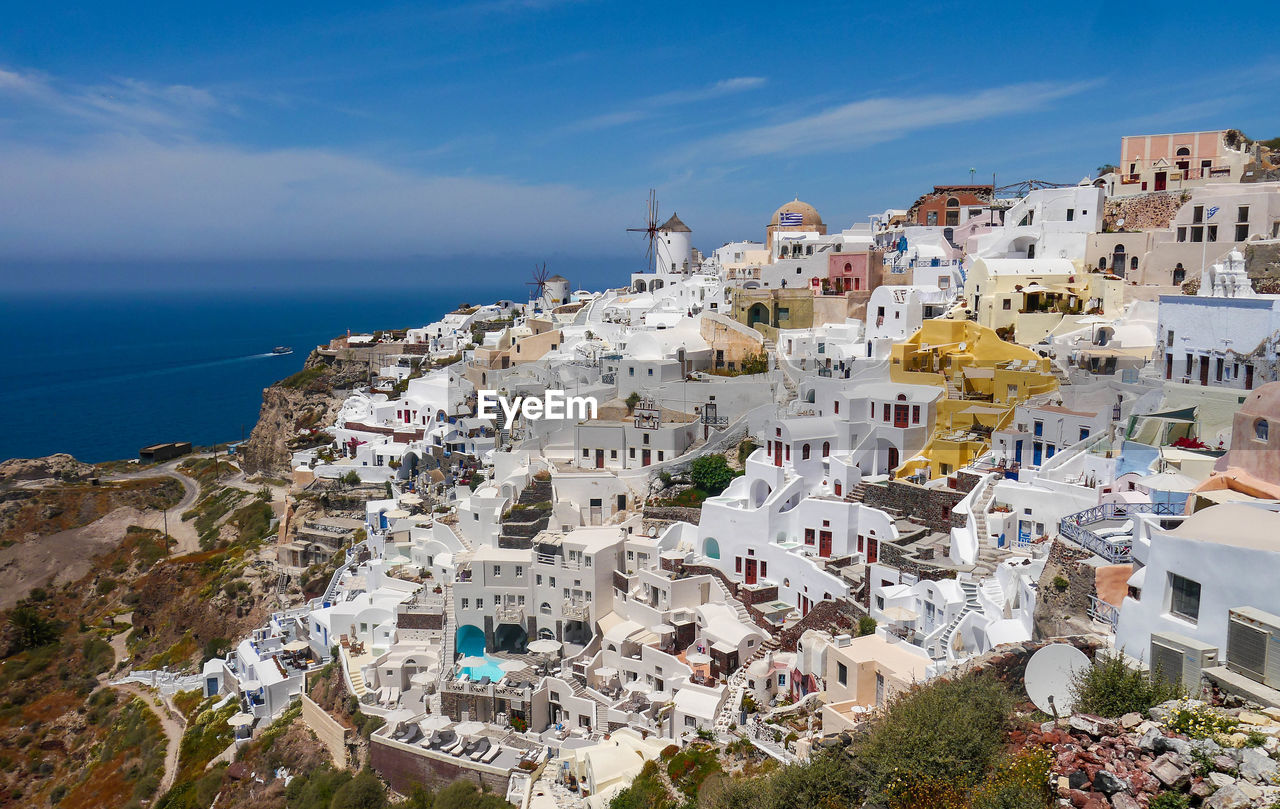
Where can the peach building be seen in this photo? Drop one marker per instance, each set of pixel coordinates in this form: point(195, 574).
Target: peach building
point(1180, 160)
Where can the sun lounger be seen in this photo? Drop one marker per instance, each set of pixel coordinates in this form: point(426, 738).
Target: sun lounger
point(488, 758)
point(482, 747)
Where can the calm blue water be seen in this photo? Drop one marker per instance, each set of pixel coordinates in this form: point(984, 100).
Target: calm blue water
point(104, 374)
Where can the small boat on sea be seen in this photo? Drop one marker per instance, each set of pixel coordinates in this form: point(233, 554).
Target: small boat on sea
point(282, 350)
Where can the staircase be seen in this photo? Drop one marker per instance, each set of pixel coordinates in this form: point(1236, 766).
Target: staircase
point(857, 493)
point(357, 683)
point(519, 530)
point(450, 631)
point(942, 647)
point(457, 532)
point(743, 615)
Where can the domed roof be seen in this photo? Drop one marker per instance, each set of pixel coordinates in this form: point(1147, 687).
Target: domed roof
point(808, 215)
point(674, 225)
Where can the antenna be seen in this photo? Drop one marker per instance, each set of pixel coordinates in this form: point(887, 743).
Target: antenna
point(1048, 677)
point(651, 227)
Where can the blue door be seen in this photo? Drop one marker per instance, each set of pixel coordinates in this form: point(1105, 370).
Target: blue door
point(1037, 449)
point(1018, 451)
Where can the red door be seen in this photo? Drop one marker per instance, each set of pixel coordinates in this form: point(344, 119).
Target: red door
point(900, 415)
point(1248, 377)
point(893, 458)
point(873, 550)
point(1161, 180)
point(824, 543)
point(599, 459)
point(777, 454)
point(750, 576)
point(644, 458)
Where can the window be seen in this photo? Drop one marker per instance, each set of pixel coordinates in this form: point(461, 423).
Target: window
point(842, 673)
point(646, 438)
point(1242, 213)
point(690, 722)
point(586, 453)
point(1197, 214)
point(537, 579)
point(631, 371)
point(1006, 304)
point(826, 448)
point(784, 313)
point(613, 455)
point(497, 570)
point(915, 414)
point(1182, 234)
point(804, 452)
point(1039, 428)
point(519, 570)
point(650, 372)
point(1184, 597)
point(931, 218)
point(466, 603)
point(808, 536)
point(631, 452)
point(1242, 232)
point(1261, 430)
point(1071, 214)
point(1084, 433)
point(1212, 233)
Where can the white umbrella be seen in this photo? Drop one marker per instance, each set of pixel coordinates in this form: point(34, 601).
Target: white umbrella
point(411, 499)
point(606, 672)
point(468, 728)
point(662, 629)
point(1168, 481)
point(240, 720)
point(422, 678)
point(472, 662)
point(544, 646)
point(697, 658)
point(637, 686)
point(900, 615)
point(250, 685)
point(396, 514)
point(296, 646)
point(513, 665)
point(435, 721)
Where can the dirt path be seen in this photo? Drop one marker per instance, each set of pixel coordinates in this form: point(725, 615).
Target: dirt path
point(170, 722)
point(184, 533)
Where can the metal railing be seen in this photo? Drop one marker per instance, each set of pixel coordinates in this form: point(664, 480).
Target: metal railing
point(1117, 549)
point(1100, 610)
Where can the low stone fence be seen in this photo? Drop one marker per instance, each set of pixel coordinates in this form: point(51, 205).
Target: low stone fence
point(328, 730)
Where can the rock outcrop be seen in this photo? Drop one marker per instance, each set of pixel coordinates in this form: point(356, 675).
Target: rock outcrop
point(52, 467)
point(293, 407)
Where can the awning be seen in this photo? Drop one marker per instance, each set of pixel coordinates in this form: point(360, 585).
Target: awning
point(1182, 414)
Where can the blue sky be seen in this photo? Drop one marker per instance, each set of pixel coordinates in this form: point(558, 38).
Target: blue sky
point(292, 132)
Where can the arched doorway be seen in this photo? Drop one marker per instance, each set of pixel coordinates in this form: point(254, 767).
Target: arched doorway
point(469, 640)
point(1179, 274)
point(510, 638)
point(758, 313)
point(1117, 260)
point(711, 548)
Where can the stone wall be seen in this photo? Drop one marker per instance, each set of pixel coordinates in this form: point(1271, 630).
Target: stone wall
point(1152, 211)
point(327, 729)
point(1060, 612)
point(839, 617)
point(929, 507)
point(404, 770)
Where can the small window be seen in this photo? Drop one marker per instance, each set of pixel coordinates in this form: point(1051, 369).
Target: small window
point(497, 570)
point(1071, 214)
point(1006, 304)
point(1261, 430)
point(1184, 597)
point(1242, 213)
point(1242, 232)
point(842, 673)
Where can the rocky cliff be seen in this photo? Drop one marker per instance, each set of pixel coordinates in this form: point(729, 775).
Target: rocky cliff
point(294, 407)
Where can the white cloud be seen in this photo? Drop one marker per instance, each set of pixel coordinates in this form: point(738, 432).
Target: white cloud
point(648, 107)
point(875, 120)
point(127, 196)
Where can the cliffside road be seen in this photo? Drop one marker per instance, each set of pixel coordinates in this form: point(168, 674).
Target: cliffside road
point(183, 532)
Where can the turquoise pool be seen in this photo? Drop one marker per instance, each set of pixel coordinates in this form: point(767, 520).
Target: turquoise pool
point(470, 643)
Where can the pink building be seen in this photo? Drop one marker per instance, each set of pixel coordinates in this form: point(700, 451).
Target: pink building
point(854, 272)
point(1180, 160)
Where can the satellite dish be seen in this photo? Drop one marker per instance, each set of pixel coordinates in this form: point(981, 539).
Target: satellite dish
point(653, 530)
point(963, 345)
point(1120, 222)
point(1049, 674)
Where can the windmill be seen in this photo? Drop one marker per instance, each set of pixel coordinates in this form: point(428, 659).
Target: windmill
point(539, 282)
point(651, 227)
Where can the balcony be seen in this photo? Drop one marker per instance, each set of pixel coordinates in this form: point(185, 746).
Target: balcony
point(509, 614)
point(576, 610)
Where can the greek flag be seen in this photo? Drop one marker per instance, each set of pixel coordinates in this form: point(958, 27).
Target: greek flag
point(1212, 211)
point(790, 219)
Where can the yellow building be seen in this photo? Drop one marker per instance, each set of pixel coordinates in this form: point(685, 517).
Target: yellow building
point(985, 378)
point(1032, 296)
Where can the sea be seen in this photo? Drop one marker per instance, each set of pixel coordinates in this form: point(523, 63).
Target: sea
point(104, 373)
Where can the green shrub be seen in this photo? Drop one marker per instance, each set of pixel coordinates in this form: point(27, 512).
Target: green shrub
point(866, 626)
point(1111, 687)
point(711, 473)
point(1060, 583)
point(1170, 800)
point(947, 730)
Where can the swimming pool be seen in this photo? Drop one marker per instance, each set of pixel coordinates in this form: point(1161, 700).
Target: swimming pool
point(470, 643)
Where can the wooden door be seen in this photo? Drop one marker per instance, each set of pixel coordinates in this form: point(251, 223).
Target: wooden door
point(599, 459)
point(644, 457)
point(1161, 180)
point(900, 415)
point(750, 576)
point(824, 543)
point(1204, 370)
